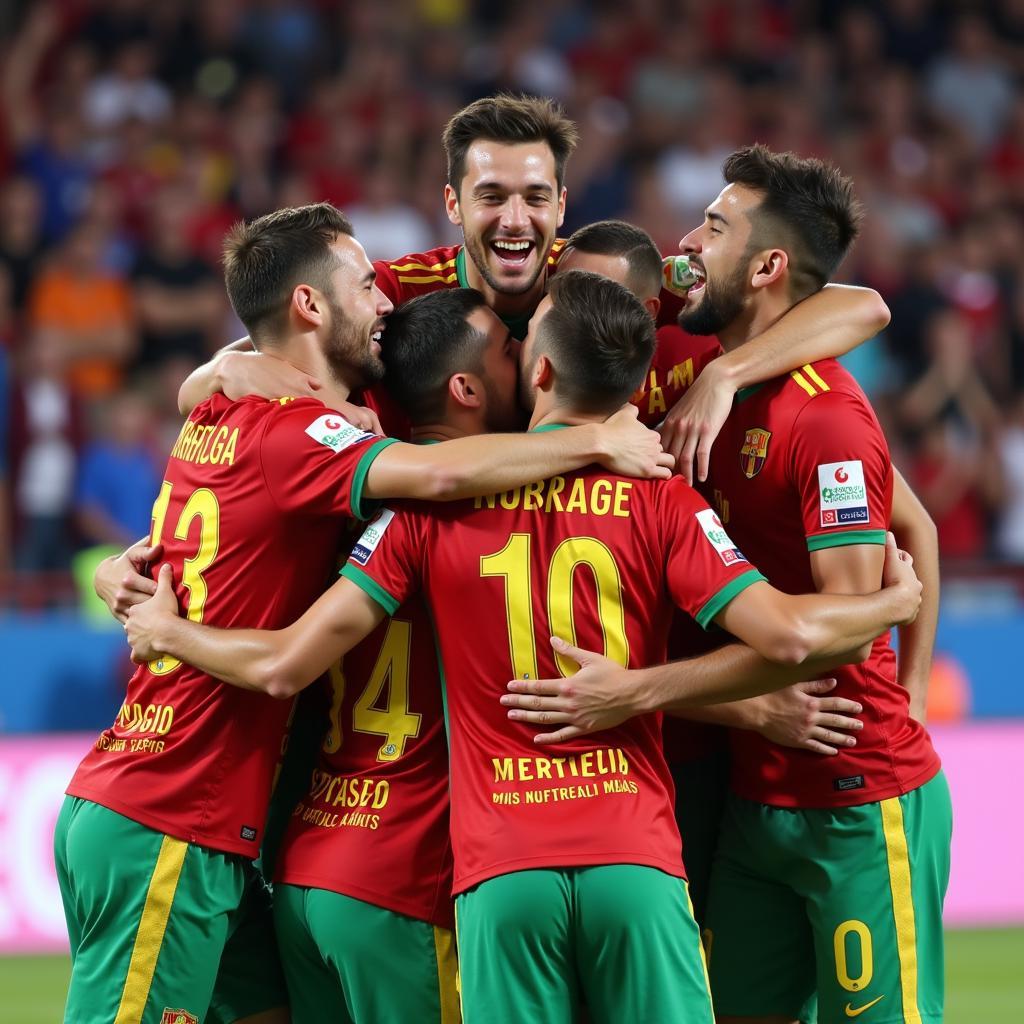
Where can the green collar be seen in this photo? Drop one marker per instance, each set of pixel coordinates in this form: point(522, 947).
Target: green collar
point(744, 393)
point(548, 426)
point(517, 325)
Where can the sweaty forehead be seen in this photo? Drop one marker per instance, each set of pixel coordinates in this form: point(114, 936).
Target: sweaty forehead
point(735, 202)
point(519, 164)
point(352, 257)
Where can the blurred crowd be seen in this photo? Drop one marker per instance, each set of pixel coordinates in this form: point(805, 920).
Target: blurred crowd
point(132, 134)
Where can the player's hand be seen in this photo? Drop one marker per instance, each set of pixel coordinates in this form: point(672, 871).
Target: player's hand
point(898, 574)
point(631, 449)
point(361, 417)
point(263, 374)
point(597, 697)
point(693, 423)
point(144, 620)
point(800, 716)
point(119, 581)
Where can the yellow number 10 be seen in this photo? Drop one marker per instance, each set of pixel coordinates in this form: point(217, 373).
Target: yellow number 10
point(202, 504)
point(513, 563)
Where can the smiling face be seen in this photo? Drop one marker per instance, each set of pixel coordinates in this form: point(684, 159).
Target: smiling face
point(720, 249)
point(509, 207)
point(351, 344)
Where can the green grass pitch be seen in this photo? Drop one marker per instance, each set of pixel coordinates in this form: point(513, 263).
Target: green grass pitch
point(983, 975)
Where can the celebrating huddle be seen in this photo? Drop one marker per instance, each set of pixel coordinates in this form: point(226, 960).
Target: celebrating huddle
point(487, 827)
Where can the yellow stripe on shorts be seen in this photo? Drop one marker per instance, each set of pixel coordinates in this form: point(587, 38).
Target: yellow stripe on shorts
point(152, 925)
point(705, 950)
point(902, 904)
point(448, 985)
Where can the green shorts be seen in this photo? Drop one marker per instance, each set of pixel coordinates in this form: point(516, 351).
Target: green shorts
point(354, 963)
point(157, 924)
point(535, 944)
point(702, 789)
point(845, 902)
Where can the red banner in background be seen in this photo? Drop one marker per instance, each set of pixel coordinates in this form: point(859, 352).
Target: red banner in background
point(984, 762)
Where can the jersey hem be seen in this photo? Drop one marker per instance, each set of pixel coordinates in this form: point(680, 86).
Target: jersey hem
point(857, 798)
point(356, 892)
point(371, 587)
point(717, 602)
point(168, 828)
point(817, 541)
point(356, 501)
point(554, 862)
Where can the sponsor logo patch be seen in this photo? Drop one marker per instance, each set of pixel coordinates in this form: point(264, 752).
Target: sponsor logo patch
point(372, 536)
point(720, 540)
point(248, 833)
point(754, 451)
point(335, 432)
point(178, 1017)
point(850, 782)
point(842, 494)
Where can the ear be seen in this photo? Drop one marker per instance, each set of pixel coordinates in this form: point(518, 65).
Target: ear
point(653, 306)
point(543, 375)
point(769, 267)
point(466, 390)
point(561, 207)
point(451, 205)
point(308, 305)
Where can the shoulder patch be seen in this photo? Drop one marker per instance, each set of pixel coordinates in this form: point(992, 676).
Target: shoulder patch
point(372, 536)
point(842, 494)
point(718, 538)
point(335, 432)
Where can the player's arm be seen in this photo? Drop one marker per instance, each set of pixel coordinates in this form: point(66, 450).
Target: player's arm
point(238, 370)
point(824, 325)
point(490, 463)
point(119, 581)
point(279, 662)
point(915, 533)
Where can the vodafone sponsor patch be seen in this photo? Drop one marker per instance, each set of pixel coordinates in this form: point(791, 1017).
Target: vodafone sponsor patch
point(719, 539)
point(335, 432)
point(842, 494)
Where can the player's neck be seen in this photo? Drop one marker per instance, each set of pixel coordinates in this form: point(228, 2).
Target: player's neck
point(436, 432)
point(304, 353)
point(754, 321)
point(562, 415)
point(504, 305)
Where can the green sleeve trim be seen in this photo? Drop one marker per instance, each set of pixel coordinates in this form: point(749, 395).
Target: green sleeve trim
point(818, 541)
point(359, 509)
point(725, 595)
point(371, 587)
point(460, 267)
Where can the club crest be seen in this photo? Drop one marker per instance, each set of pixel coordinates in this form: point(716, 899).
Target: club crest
point(754, 451)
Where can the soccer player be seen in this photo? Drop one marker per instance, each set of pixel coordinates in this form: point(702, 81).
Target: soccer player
point(697, 751)
point(830, 877)
point(506, 159)
point(164, 815)
point(552, 856)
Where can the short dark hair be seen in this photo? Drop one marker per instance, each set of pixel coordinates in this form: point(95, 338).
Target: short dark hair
point(266, 258)
point(599, 338)
point(426, 340)
point(511, 120)
point(808, 209)
point(617, 238)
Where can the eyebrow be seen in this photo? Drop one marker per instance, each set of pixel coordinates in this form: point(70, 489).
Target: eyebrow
point(710, 215)
point(497, 186)
point(369, 277)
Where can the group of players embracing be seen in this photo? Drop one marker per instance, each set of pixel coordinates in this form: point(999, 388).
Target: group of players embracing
point(483, 754)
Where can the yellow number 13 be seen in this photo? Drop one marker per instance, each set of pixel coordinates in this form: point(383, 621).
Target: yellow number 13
point(201, 505)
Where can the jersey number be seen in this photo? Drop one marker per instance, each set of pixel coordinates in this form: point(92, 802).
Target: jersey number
point(201, 505)
point(395, 722)
point(513, 563)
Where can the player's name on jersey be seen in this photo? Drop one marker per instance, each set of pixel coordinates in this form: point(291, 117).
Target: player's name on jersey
point(345, 791)
point(336, 819)
point(588, 765)
point(594, 497)
point(652, 392)
point(206, 444)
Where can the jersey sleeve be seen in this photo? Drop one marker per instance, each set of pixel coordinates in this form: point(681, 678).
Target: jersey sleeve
point(313, 459)
point(387, 560)
point(387, 281)
point(840, 467)
point(704, 568)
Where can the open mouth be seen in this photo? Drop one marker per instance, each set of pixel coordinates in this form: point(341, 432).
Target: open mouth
point(512, 252)
point(697, 287)
point(375, 341)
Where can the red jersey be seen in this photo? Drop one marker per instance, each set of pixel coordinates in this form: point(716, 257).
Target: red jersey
point(802, 465)
point(374, 823)
point(590, 556)
point(254, 501)
point(678, 359)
